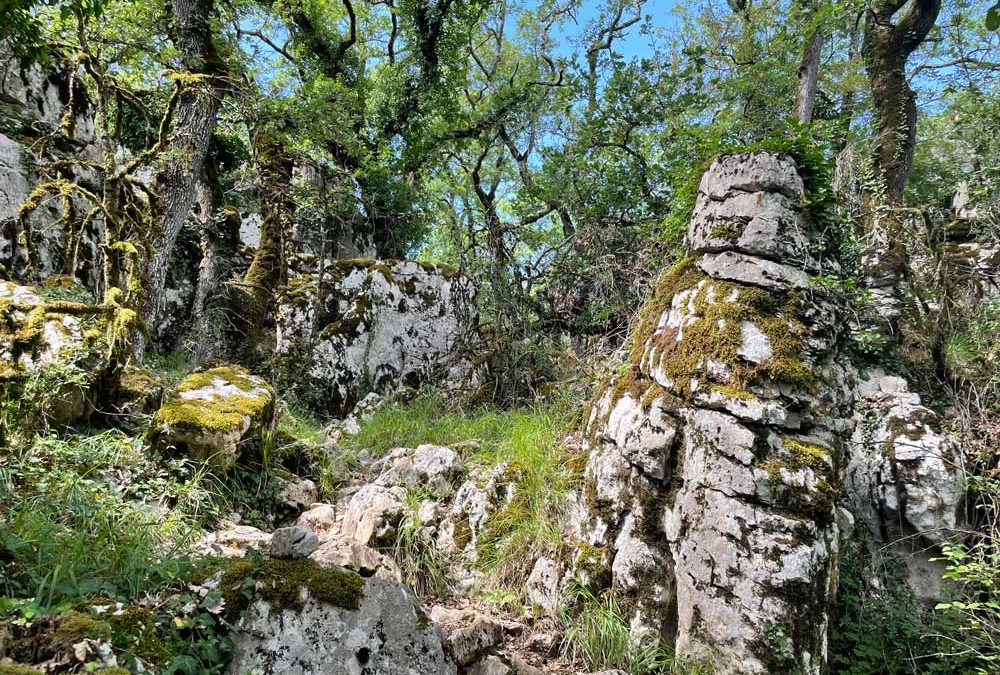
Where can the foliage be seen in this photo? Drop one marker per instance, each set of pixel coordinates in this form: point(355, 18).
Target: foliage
point(975, 567)
point(91, 515)
point(596, 633)
point(878, 626)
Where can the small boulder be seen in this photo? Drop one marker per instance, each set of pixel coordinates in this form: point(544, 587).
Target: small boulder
point(374, 513)
point(431, 467)
point(297, 541)
point(469, 635)
point(542, 588)
point(298, 494)
point(366, 561)
point(233, 542)
point(491, 665)
point(213, 414)
point(322, 518)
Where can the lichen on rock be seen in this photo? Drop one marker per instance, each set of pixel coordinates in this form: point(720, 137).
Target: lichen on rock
point(716, 457)
point(373, 325)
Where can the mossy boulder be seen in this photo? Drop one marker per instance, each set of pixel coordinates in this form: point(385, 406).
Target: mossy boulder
point(304, 617)
point(53, 352)
point(215, 415)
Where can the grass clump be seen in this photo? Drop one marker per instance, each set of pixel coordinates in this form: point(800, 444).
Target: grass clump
point(596, 634)
point(90, 514)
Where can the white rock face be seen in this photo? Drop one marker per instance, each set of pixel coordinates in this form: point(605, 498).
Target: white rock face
point(906, 481)
point(388, 634)
point(374, 513)
point(713, 475)
point(432, 467)
point(378, 325)
point(33, 103)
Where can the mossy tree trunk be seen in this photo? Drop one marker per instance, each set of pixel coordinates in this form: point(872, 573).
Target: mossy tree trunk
point(886, 48)
point(267, 271)
point(220, 239)
point(193, 122)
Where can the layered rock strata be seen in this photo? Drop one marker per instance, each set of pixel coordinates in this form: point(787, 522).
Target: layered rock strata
point(716, 458)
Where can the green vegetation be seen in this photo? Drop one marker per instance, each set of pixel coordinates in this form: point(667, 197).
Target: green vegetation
point(282, 582)
point(596, 634)
point(527, 440)
point(878, 626)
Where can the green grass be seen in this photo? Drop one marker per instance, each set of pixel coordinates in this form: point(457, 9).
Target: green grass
point(300, 423)
point(528, 439)
point(93, 514)
point(596, 633)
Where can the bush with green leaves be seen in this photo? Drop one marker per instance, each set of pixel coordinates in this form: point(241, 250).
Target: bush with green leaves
point(877, 625)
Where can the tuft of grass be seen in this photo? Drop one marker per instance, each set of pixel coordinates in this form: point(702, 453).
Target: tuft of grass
point(596, 633)
point(528, 440)
point(170, 368)
point(93, 514)
point(299, 423)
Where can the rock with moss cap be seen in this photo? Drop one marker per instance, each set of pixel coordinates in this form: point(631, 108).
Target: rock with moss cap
point(214, 414)
point(374, 326)
point(715, 455)
point(55, 338)
point(373, 625)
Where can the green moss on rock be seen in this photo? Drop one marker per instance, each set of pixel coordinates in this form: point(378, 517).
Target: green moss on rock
point(18, 669)
point(74, 627)
point(216, 412)
point(281, 582)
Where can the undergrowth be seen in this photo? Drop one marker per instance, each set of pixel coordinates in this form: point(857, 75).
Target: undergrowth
point(527, 440)
point(596, 634)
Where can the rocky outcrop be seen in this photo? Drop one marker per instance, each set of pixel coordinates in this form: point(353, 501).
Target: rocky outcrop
point(54, 336)
point(716, 459)
point(373, 325)
point(215, 415)
point(34, 103)
point(905, 481)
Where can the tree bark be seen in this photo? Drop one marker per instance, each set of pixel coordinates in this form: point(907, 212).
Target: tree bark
point(808, 78)
point(886, 49)
point(267, 270)
point(183, 158)
point(220, 239)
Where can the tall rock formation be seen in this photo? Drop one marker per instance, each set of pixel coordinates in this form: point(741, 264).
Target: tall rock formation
point(716, 459)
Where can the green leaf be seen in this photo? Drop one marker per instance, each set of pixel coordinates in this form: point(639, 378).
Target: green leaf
point(993, 18)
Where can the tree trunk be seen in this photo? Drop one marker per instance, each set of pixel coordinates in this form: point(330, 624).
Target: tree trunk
point(220, 238)
point(267, 270)
point(808, 78)
point(184, 156)
point(886, 48)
